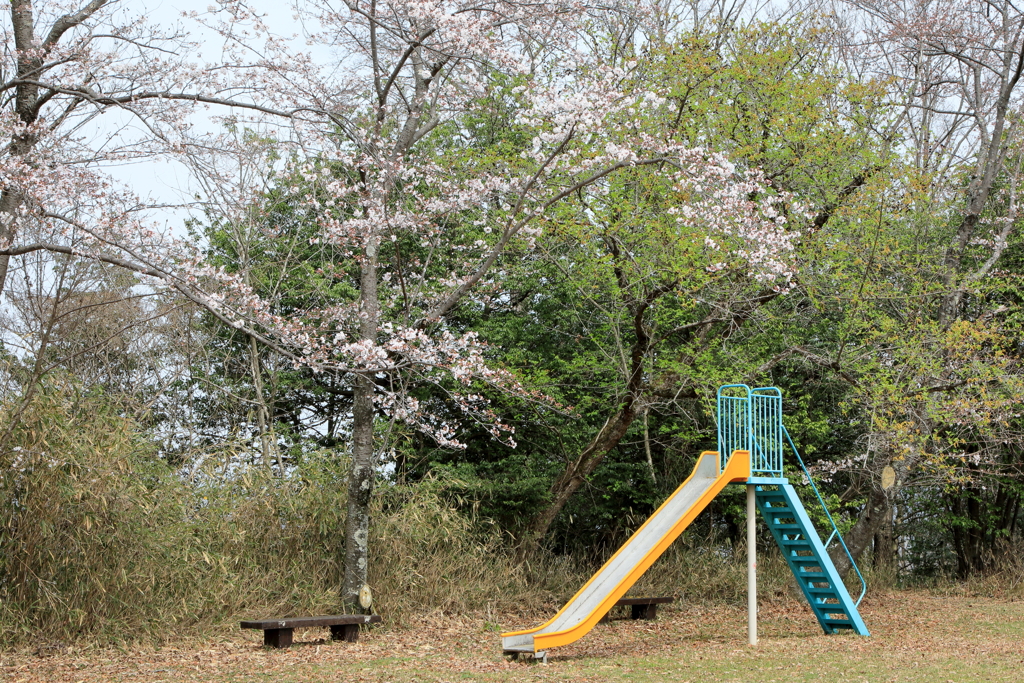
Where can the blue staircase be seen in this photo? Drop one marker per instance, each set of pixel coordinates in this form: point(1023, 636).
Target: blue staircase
point(817, 577)
point(751, 420)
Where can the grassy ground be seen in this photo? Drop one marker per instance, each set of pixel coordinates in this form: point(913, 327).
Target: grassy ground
point(916, 636)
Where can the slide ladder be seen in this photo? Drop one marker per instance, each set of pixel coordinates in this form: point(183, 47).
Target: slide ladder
point(815, 573)
point(752, 419)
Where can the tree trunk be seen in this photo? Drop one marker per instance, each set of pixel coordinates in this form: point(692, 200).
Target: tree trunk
point(8, 206)
point(267, 441)
point(27, 102)
point(877, 515)
point(985, 518)
point(360, 482)
point(885, 544)
point(1008, 506)
point(609, 436)
point(576, 473)
point(26, 106)
point(360, 491)
point(973, 559)
point(862, 535)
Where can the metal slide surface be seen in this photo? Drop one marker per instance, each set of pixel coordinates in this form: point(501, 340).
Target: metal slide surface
point(628, 564)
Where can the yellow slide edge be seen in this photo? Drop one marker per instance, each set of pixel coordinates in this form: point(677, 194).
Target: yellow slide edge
point(737, 469)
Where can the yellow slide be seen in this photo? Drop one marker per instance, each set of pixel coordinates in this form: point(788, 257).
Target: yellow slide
point(629, 562)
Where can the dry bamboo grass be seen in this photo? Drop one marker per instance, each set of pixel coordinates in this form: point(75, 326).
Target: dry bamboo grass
point(102, 541)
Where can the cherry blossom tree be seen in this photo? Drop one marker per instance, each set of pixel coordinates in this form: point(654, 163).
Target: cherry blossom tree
point(958, 66)
point(89, 86)
point(421, 224)
point(385, 196)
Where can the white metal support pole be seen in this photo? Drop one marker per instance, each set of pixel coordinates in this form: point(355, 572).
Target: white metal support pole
point(751, 568)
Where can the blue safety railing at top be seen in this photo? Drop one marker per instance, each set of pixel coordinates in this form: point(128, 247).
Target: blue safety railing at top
point(734, 421)
point(751, 420)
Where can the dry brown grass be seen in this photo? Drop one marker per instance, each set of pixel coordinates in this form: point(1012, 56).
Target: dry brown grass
point(916, 637)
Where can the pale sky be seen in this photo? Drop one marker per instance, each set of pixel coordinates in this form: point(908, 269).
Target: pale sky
point(169, 182)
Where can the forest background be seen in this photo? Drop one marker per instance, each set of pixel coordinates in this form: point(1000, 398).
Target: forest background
point(459, 283)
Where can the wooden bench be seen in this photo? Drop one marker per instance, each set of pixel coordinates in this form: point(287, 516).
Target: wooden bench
point(643, 608)
point(278, 632)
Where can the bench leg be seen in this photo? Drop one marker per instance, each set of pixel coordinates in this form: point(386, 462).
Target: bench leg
point(648, 612)
point(277, 637)
point(347, 632)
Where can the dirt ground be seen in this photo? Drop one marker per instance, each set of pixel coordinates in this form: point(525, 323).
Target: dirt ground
point(915, 636)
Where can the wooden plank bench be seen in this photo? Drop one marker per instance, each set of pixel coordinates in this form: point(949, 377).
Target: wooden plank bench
point(278, 632)
point(643, 608)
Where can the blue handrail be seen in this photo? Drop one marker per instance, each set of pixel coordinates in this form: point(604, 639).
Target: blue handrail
point(835, 529)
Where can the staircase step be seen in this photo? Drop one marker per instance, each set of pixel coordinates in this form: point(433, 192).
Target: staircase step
point(822, 612)
point(802, 547)
point(812, 571)
point(839, 626)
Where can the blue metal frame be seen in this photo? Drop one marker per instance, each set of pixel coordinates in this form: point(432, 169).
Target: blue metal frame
point(734, 421)
point(766, 434)
point(751, 420)
point(808, 559)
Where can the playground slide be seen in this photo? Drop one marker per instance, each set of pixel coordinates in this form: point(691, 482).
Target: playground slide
point(629, 562)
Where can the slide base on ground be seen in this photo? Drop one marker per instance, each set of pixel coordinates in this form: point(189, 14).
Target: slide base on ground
point(801, 546)
point(636, 555)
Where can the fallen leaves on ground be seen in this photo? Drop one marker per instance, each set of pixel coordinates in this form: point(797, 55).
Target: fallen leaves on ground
point(909, 630)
